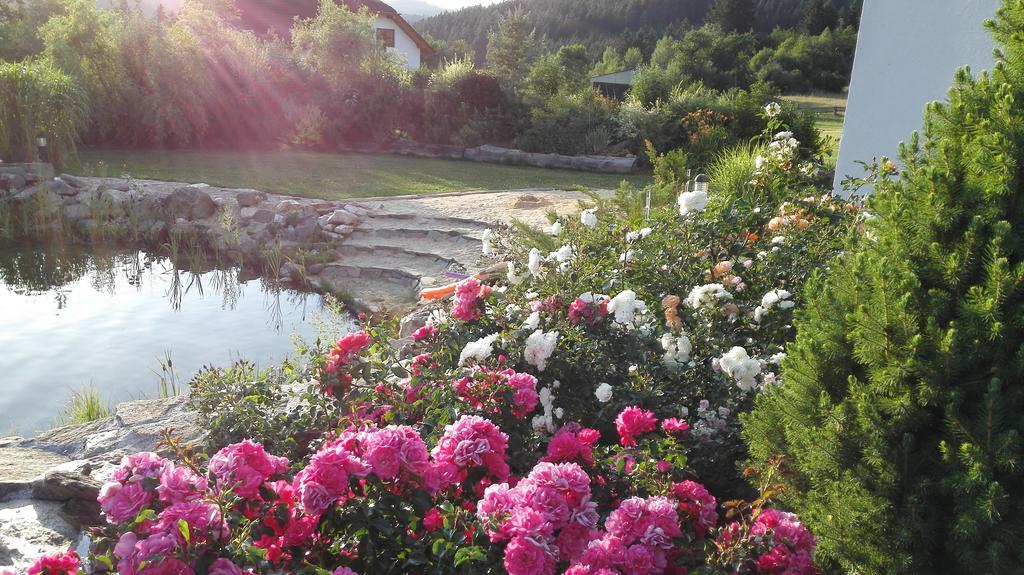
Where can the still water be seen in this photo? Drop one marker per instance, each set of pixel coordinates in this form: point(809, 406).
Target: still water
point(71, 318)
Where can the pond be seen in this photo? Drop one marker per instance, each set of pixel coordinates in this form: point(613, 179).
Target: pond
point(72, 318)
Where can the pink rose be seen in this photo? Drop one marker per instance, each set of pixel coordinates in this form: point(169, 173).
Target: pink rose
point(573, 540)
point(638, 561)
point(676, 427)
point(224, 566)
point(180, 484)
point(244, 466)
point(55, 564)
point(633, 422)
point(425, 332)
point(139, 465)
point(122, 503)
point(134, 552)
point(432, 520)
point(385, 461)
point(524, 557)
point(314, 498)
point(203, 518)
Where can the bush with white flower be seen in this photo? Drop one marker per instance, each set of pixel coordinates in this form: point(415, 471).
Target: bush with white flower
point(656, 312)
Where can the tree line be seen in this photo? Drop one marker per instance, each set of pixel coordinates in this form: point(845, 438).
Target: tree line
point(623, 24)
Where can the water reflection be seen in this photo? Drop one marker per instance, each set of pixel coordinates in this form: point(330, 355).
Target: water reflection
point(70, 316)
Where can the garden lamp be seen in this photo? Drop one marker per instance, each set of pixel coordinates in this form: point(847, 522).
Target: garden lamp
point(44, 156)
point(700, 183)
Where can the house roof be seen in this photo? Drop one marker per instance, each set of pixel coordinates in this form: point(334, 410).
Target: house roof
point(264, 16)
point(623, 78)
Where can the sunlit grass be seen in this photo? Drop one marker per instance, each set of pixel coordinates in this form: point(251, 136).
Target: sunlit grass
point(334, 176)
point(830, 111)
point(84, 406)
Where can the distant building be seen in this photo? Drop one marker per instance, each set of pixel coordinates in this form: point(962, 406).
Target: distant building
point(393, 31)
point(907, 52)
point(614, 85)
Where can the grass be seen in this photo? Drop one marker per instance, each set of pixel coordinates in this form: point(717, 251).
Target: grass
point(830, 110)
point(84, 406)
point(333, 176)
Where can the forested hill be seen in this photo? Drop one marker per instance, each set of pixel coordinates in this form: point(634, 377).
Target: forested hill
point(600, 23)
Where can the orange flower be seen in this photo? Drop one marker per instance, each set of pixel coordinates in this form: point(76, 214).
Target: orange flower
point(672, 320)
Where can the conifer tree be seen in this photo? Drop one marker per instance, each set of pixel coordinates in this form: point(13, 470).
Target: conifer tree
point(733, 15)
point(510, 48)
point(902, 403)
point(821, 15)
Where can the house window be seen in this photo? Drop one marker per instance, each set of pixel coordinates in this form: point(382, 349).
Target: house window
point(386, 37)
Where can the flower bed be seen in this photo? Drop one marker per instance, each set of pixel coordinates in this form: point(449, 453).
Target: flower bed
point(537, 426)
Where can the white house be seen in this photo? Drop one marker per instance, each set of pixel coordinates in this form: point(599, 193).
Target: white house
point(395, 33)
point(907, 52)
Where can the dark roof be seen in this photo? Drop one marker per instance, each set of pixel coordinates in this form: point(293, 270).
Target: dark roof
point(265, 16)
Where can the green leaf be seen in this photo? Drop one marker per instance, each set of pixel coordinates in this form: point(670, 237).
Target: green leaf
point(468, 554)
point(437, 547)
point(185, 531)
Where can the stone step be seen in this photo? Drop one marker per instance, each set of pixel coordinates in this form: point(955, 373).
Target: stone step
point(419, 233)
point(421, 221)
point(372, 289)
point(462, 252)
point(394, 267)
point(386, 252)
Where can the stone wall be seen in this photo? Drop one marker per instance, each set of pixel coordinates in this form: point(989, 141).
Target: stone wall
point(297, 237)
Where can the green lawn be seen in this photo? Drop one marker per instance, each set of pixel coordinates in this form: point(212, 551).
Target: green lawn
point(333, 176)
point(830, 110)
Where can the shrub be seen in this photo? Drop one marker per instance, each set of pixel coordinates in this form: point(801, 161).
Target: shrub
point(801, 63)
point(579, 123)
point(36, 98)
point(899, 410)
point(467, 107)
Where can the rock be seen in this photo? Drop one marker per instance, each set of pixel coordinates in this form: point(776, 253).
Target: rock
point(30, 529)
point(81, 513)
point(190, 203)
point(11, 182)
point(286, 206)
point(114, 196)
point(58, 485)
point(263, 216)
point(26, 194)
point(14, 170)
point(119, 185)
point(61, 188)
point(324, 207)
point(19, 466)
point(343, 217)
point(73, 181)
point(324, 222)
point(413, 322)
point(135, 426)
point(249, 198)
point(314, 268)
point(358, 211)
point(344, 230)
point(527, 201)
point(76, 212)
